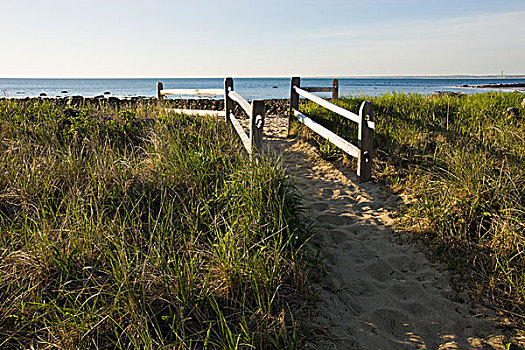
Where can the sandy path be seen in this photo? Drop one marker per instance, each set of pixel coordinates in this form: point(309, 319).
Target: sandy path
point(381, 292)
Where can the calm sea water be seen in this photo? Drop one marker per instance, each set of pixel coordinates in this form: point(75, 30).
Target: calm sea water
point(250, 88)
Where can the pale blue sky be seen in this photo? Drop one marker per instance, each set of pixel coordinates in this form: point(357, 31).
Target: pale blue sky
point(160, 38)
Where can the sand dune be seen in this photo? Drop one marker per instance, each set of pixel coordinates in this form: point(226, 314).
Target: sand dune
point(380, 291)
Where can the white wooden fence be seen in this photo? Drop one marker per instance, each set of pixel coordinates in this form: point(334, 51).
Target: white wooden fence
point(252, 140)
point(366, 126)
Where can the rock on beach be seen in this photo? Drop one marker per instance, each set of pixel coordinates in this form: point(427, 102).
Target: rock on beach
point(274, 107)
point(501, 86)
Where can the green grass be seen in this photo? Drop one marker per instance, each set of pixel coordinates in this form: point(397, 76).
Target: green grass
point(117, 233)
point(463, 161)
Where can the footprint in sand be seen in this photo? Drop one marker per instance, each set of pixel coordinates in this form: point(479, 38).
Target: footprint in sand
point(337, 236)
point(380, 270)
point(319, 206)
point(391, 321)
point(332, 219)
point(415, 308)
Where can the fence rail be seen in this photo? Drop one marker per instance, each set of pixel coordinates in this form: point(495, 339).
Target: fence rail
point(327, 134)
point(252, 141)
point(195, 92)
point(242, 134)
point(334, 89)
point(240, 100)
point(320, 101)
point(199, 112)
point(161, 92)
point(366, 126)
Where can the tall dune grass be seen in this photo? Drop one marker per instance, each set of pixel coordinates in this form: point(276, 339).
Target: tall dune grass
point(122, 233)
point(462, 159)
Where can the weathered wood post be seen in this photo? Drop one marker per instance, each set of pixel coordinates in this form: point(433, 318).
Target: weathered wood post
point(294, 100)
point(257, 114)
point(160, 87)
point(335, 89)
point(228, 103)
point(365, 138)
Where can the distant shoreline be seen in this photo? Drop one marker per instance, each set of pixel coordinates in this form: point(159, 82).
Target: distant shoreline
point(499, 86)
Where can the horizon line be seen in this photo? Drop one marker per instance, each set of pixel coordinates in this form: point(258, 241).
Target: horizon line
point(515, 76)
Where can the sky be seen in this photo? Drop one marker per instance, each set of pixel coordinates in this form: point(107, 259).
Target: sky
point(265, 38)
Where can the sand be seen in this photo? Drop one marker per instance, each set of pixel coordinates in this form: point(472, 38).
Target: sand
point(379, 290)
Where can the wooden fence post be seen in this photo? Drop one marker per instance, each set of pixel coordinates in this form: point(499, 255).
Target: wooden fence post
point(335, 89)
point(257, 125)
point(160, 87)
point(294, 100)
point(228, 103)
point(365, 138)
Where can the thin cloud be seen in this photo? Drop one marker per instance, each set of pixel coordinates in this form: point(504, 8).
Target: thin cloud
point(508, 24)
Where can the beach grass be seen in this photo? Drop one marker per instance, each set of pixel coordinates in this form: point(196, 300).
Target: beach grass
point(461, 160)
point(140, 228)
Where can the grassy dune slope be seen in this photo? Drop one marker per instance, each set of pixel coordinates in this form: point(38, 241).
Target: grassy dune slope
point(117, 233)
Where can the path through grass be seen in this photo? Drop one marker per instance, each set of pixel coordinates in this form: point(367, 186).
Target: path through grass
point(462, 160)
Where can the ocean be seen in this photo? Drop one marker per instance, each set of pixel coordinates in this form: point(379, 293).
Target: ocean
point(250, 88)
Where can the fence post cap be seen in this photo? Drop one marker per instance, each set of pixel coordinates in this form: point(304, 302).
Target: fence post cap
point(366, 109)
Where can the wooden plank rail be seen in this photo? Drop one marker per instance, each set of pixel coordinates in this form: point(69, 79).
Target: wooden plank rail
point(334, 89)
point(161, 92)
point(344, 145)
point(318, 89)
point(199, 112)
point(241, 101)
point(242, 134)
point(366, 125)
point(328, 105)
point(194, 92)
